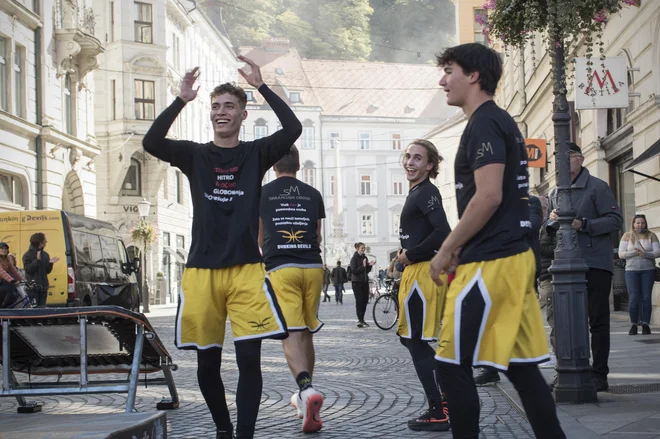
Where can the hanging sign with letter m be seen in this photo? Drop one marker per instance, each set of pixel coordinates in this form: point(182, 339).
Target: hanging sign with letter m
point(605, 87)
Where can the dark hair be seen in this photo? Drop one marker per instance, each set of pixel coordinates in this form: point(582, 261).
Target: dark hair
point(290, 163)
point(37, 239)
point(338, 263)
point(232, 89)
point(358, 244)
point(433, 156)
point(475, 57)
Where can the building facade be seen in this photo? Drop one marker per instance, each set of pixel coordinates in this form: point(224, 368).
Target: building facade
point(149, 47)
point(48, 52)
point(357, 120)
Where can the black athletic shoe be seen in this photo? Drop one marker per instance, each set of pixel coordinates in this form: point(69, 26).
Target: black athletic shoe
point(365, 324)
point(360, 325)
point(633, 330)
point(431, 420)
point(646, 330)
point(600, 384)
point(486, 376)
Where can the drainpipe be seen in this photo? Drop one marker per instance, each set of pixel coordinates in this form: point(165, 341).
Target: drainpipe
point(39, 109)
point(521, 81)
point(323, 188)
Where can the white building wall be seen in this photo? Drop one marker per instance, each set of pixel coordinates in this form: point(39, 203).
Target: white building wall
point(65, 156)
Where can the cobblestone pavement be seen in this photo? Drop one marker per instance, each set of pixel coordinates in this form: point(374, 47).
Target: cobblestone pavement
point(366, 375)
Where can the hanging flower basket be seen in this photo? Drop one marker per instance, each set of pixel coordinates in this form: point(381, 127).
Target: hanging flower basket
point(144, 233)
point(515, 22)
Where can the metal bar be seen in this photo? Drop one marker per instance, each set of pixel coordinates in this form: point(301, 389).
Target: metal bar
point(46, 385)
point(6, 356)
point(21, 401)
point(170, 384)
point(644, 175)
point(66, 390)
point(135, 370)
point(83, 352)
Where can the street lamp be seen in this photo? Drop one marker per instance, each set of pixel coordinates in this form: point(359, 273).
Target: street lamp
point(568, 268)
point(143, 209)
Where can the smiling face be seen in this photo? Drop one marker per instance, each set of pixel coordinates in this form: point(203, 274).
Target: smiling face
point(4, 251)
point(227, 115)
point(456, 84)
point(416, 164)
point(361, 249)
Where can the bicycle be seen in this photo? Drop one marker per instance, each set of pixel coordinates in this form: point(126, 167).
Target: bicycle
point(20, 297)
point(386, 307)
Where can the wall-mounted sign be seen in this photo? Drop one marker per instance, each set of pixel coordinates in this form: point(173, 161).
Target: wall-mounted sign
point(536, 152)
point(605, 87)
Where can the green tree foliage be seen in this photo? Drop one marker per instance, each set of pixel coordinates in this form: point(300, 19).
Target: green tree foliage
point(424, 26)
point(345, 29)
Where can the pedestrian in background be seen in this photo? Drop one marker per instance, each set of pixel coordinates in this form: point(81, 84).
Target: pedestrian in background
point(360, 268)
point(9, 277)
point(640, 248)
point(339, 278)
point(327, 279)
point(38, 264)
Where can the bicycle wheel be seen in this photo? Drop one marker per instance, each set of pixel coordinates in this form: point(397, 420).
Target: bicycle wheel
point(386, 311)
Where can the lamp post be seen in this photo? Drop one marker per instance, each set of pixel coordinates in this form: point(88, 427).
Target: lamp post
point(568, 268)
point(143, 209)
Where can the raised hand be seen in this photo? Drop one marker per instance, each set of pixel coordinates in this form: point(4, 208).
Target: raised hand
point(188, 93)
point(254, 77)
point(53, 260)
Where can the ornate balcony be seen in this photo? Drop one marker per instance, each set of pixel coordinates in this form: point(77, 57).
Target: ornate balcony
point(76, 47)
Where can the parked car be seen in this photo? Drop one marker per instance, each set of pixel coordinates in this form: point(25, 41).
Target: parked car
point(94, 268)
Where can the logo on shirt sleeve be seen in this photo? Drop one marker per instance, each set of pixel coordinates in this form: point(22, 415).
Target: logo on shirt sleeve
point(433, 201)
point(486, 147)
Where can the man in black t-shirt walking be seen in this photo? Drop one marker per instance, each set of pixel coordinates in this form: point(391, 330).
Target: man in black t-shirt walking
point(339, 278)
point(225, 276)
point(292, 214)
point(491, 317)
point(423, 228)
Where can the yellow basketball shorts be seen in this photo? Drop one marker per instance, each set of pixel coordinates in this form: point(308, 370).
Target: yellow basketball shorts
point(492, 317)
point(298, 292)
point(421, 302)
point(242, 292)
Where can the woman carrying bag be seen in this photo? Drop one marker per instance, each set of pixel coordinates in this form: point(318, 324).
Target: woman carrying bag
point(639, 248)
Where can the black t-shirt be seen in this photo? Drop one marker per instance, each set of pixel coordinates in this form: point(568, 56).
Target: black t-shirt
point(225, 184)
point(290, 210)
point(492, 136)
point(423, 224)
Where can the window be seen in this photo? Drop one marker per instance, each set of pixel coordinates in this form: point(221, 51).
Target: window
point(308, 176)
point(397, 184)
point(480, 18)
point(166, 239)
point(365, 185)
point(294, 97)
point(617, 117)
point(250, 95)
point(260, 129)
point(88, 248)
point(143, 23)
point(396, 142)
point(396, 223)
point(113, 99)
point(179, 187)
point(11, 189)
point(145, 101)
point(68, 105)
point(308, 137)
point(132, 186)
point(180, 241)
point(112, 21)
point(110, 254)
point(18, 81)
point(176, 54)
point(332, 185)
point(3, 74)
point(334, 139)
point(365, 140)
point(623, 187)
point(367, 224)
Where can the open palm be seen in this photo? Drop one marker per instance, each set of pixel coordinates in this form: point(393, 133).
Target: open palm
point(254, 77)
point(188, 93)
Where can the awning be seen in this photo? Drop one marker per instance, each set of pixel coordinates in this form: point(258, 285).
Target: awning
point(652, 152)
point(172, 252)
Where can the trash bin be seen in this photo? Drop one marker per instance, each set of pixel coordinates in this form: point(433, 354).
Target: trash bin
point(619, 290)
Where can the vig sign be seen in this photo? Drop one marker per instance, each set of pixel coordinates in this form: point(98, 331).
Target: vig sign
point(605, 87)
point(536, 153)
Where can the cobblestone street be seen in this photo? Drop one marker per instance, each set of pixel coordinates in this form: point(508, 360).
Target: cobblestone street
point(366, 375)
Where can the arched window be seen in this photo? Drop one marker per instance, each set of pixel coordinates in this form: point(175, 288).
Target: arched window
point(132, 185)
point(11, 189)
